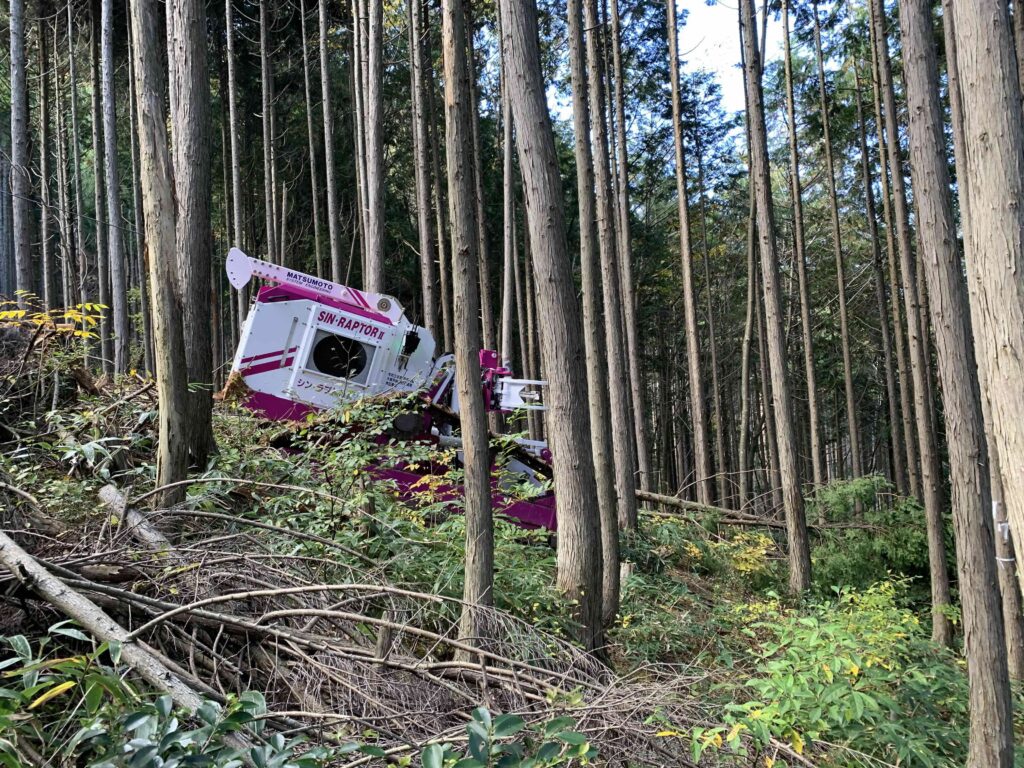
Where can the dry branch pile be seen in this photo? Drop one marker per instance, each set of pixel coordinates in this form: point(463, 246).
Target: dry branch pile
point(227, 604)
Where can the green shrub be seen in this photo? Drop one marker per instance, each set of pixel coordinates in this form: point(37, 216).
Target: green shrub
point(506, 742)
point(857, 671)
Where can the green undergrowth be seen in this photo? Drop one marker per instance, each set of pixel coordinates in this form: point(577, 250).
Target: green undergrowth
point(847, 677)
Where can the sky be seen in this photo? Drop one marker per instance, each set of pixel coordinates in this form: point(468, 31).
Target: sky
point(710, 40)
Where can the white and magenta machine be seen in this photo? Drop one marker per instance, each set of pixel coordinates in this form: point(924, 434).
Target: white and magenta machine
point(309, 344)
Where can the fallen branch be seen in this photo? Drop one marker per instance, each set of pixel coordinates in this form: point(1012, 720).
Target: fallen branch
point(33, 576)
point(139, 526)
point(732, 516)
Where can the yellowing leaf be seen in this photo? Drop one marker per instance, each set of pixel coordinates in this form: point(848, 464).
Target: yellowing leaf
point(735, 731)
point(52, 693)
point(798, 742)
point(666, 734)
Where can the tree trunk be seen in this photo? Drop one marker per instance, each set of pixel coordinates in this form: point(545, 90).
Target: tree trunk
point(424, 219)
point(772, 471)
point(618, 373)
point(509, 292)
point(266, 91)
point(158, 201)
point(852, 429)
point(314, 173)
point(486, 305)
point(102, 261)
point(46, 203)
point(76, 159)
point(991, 729)
point(67, 249)
point(479, 582)
point(235, 130)
point(21, 185)
point(701, 442)
point(721, 454)
point(373, 278)
point(1009, 587)
point(796, 524)
point(192, 158)
point(994, 230)
point(440, 194)
point(142, 252)
point(629, 309)
point(569, 432)
point(800, 257)
point(594, 334)
point(359, 34)
point(115, 243)
point(333, 212)
point(908, 432)
point(744, 464)
point(899, 470)
point(942, 630)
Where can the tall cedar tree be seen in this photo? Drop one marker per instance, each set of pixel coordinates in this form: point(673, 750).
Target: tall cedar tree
point(942, 629)
point(158, 201)
point(993, 165)
point(579, 534)
point(796, 523)
point(479, 582)
point(593, 328)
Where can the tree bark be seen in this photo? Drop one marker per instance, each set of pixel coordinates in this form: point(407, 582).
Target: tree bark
point(486, 305)
point(479, 579)
point(235, 131)
point(314, 172)
point(800, 257)
point(744, 464)
point(106, 345)
point(994, 228)
point(991, 729)
point(899, 470)
point(618, 373)
point(115, 243)
point(625, 241)
point(562, 349)
point(701, 442)
point(796, 523)
point(908, 432)
point(1009, 587)
point(64, 222)
point(192, 157)
point(158, 201)
point(142, 254)
point(440, 193)
point(46, 203)
point(942, 630)
point(76, 159)
point(509, 292)
point(852, 429)
point(373, 279)
point(424, 218)
point(21, 185)
point(327, 105)
point(266, 92)
point(594, 334)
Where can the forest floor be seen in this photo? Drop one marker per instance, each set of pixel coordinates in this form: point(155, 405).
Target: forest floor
point(316, 616)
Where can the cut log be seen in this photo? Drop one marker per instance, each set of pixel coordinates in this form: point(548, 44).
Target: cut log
point(33, 576)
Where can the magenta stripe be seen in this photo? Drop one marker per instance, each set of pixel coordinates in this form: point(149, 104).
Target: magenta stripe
point(264, 367)
point(268, 354)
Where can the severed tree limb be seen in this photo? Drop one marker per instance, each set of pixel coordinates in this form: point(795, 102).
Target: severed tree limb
point(139, 526)
point(33, 576)
point(729, 516)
